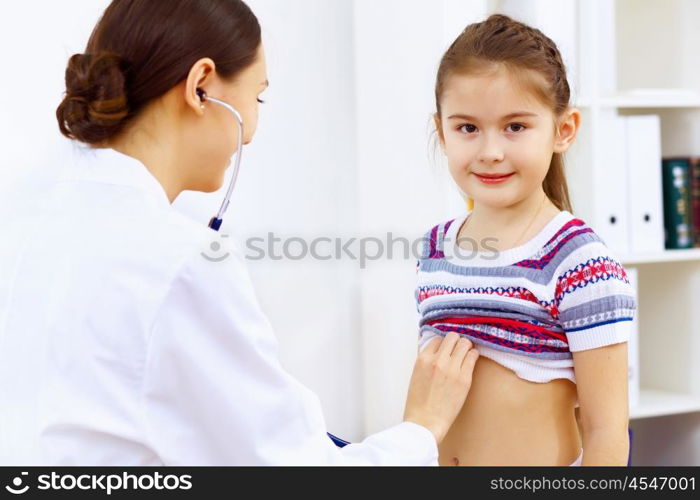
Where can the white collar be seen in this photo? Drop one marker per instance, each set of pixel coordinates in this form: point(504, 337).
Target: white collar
point(510, 256)
point(108, 166)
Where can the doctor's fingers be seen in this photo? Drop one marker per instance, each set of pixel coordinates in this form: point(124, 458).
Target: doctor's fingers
point(469, 362)
point(444, 352)
point(431, 347)
point(460, 354)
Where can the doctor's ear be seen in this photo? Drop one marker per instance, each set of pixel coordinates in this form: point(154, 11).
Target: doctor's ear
point(201, 74)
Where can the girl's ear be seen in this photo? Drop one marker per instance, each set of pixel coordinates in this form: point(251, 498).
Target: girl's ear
point(567, 128)
point(438, 128)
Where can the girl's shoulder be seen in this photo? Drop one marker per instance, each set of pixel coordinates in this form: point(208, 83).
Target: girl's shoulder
point(585, 257)
point(579, 240)
point(434, 239)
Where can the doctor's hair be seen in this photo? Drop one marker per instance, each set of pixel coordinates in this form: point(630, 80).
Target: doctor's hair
point(140, 49)
point(530, 57)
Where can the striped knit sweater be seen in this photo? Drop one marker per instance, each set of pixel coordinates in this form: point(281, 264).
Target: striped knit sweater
point(527, 308)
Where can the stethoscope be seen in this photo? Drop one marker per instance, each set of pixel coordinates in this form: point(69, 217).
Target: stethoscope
point(216, 221)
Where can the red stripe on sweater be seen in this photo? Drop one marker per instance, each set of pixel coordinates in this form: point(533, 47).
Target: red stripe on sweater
point(472, 320)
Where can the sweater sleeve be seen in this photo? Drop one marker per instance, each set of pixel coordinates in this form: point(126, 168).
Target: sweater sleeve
point(594, 299)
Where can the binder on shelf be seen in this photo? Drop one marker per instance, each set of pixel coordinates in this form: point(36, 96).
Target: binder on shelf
point(611, 186)
point(633, 374)
point(677, 218)
point(694, 163)
point(645, 216)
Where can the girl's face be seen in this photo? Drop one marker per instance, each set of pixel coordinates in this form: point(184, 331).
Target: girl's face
point(492, 126)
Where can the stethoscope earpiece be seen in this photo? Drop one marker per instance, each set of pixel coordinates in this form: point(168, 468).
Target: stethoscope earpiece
point(202, 95)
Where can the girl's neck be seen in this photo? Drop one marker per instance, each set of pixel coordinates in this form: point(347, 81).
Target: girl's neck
point(513, 215)
point(523, 220)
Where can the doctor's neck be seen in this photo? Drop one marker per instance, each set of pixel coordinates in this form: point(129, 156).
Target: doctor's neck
point(153, 139)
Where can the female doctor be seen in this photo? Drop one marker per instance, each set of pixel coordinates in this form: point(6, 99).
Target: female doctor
point(119, 343)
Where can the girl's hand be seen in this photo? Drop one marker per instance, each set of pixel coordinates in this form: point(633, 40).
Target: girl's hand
point(441, 379)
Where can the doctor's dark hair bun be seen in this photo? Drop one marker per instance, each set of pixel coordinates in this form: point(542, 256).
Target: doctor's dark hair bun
point(141, 49)
point(95, 104)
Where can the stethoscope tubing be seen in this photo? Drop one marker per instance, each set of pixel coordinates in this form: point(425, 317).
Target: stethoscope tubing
point(217, 220)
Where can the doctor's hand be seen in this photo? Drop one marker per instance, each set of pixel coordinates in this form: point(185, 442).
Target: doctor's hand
point(441, 379)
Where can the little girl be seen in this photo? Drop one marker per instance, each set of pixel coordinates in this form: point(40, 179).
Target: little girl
point(537, 291)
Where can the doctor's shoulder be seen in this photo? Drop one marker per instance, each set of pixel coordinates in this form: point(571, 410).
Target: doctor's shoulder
point(194, 241)
point(211, 284)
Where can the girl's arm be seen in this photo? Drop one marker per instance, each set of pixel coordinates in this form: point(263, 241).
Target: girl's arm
point(601, 379)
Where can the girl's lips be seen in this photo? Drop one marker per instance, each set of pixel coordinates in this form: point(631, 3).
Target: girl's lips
point(494, 180)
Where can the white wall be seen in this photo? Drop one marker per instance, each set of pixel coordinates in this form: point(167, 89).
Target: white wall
point(34, 50)
point(297, 177)
point(402, 189)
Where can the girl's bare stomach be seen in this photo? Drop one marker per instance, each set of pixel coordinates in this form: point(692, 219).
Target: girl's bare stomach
point(510, 421)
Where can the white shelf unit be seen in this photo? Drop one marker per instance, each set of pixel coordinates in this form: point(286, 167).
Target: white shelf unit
point(637, 57)
point(623, 45)
point(655, 403)
point(652, 101)
point(652, 98)
point(680, 255)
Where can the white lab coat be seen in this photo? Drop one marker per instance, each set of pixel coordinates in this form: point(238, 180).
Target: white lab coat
point(121, 344)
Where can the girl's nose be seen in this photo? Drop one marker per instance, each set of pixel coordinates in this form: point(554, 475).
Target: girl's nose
point(490, 152)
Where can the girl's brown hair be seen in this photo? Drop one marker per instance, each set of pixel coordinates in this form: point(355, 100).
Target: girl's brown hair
point(500, 39)
point(140, 49)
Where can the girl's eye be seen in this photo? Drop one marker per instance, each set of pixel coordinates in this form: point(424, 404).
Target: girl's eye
point(261, 101)
point(516, 127)
point(467, 129)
